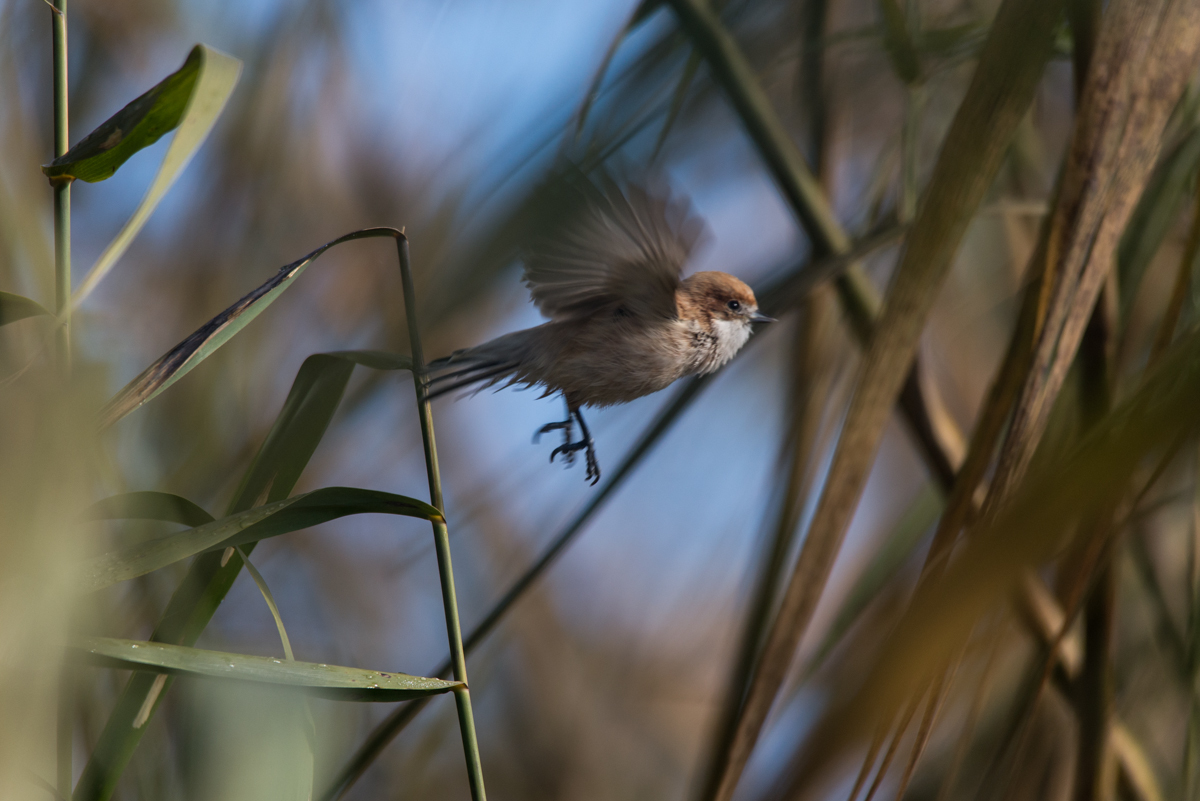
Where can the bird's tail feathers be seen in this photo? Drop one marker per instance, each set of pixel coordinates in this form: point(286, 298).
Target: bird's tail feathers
point(484, 365)
point(480, 374)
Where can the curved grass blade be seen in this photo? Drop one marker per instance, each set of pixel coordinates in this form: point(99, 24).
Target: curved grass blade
point(189, 99)
point(181, 359)
point(269, 597)
point(302, 768)
point(252, 525)
point(18, 307)
point(325, 681)
point(290, 444)
point(148, 505)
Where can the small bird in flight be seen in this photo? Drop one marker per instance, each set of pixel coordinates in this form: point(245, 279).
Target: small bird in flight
point(623, 323)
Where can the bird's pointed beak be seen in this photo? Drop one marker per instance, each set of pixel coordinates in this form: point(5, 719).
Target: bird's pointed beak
point(759, 317)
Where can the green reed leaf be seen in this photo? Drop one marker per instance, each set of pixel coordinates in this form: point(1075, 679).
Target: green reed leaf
point(326, 681)
point(18, 307)
point(147, 505)
point(252, 525)
point(185, 356)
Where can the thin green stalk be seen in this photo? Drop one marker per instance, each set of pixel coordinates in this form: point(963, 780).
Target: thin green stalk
point(62, 189)
point(441, 536)
point(62, 298)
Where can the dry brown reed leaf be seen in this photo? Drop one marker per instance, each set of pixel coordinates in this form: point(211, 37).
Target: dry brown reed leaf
point(1144, 56)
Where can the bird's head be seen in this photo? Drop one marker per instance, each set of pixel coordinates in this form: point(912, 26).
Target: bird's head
point(723, 305)
point(721, 297)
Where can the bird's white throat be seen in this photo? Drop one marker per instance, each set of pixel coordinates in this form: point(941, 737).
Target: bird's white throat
point(730, 336)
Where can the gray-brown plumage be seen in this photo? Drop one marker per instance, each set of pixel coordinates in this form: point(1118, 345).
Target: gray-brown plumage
point(622, 324)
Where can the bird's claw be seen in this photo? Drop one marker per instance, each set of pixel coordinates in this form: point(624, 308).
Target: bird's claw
point(593, 466)
point(564, 426)
point(569, 450)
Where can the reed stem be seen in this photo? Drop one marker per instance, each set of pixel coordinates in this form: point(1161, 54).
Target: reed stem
point(441, 536)
point(62, 190)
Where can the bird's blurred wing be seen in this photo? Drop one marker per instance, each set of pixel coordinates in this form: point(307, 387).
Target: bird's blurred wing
point(617, 250)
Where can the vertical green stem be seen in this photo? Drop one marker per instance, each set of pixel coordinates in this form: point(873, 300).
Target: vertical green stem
point(441, 536)
point(62, 189)
point(62, 293)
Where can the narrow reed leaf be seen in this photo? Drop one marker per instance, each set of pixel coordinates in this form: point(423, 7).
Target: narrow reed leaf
point(1157, 209)
point(899, 547)
point(1136, 766)
point(311, 402)
point(901, 727)
point(812, 370)
point(677, 99)
point(148, 505)
point(593, 90)
point(1003, 86)
point(325, 681)
point(898, 42)
point(189, 99)
point(185, 356)
point(18, 307)
point(1180, 290)
point(252, 525)
point(737, 78)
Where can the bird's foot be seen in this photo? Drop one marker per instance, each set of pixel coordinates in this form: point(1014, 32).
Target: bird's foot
point(568, 450)
point(566, 427)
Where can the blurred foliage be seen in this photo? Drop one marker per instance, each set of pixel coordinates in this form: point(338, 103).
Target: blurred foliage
point(1043, 642)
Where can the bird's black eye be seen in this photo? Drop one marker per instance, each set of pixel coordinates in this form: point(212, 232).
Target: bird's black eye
point(734, 305)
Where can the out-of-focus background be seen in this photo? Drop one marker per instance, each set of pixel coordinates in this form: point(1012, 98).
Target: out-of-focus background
point(606, 679)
